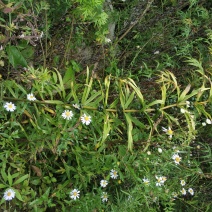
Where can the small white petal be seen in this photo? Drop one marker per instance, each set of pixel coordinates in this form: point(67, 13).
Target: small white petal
point(208, 121)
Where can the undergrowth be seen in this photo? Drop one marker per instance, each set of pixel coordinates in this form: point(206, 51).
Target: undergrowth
point(105, 106)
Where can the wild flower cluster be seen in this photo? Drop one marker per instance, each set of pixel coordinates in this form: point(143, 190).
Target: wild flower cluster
point(74, 194)
point(67, 114)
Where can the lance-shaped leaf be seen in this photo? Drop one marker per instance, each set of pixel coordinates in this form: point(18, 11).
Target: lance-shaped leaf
point(107, 86)
point(87, 88)
point(106, 128)
point(136, 89)
point(183, 94)
point(93, 96)
point(129, 131)
point(129, 100)
point(21, 179)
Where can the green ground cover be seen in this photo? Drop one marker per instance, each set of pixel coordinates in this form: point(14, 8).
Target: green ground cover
point(105, 105)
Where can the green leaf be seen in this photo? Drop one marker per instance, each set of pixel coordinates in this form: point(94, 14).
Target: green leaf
point(94, 96)
point(18, 195)
point(183, 94)
point(21, 179)
point(69, 75)
point(3, 173)
point(15, 57)
point(129, 131)
point(130, 99)
point(3, 186)
point(10, 179)
point(87, 89)
point(55, 102)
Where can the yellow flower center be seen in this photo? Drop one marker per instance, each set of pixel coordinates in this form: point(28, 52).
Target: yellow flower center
point(75, 193)
point(87, 118)
point(10, 106)
point(8, 194)
point(177, 159)
point(68, 113)
point(169, 132)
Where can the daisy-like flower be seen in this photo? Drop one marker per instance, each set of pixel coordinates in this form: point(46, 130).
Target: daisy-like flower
point(67, 114)
point(182, 182)
point(9, 106)
point(104, 197)
point(168, 131)
point(9, 194)
point(146, 181)
point(31, 97)
point(191, 191)
point(176, 158)
point(86, 119)
point(164, 179)
point(74, 194)
point(103, 183)
point(113, 174)
point(183, 191)
point(160, 180)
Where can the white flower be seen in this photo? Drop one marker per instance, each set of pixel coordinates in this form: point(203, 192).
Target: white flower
point(203, 124)
point(76, 106)
point(168, 131)
point(149, 153)
point(174, 194)
point(208, 121)
point(191, 191)
point(9, 106)
point(182, 182)
point(182, 110)
point(183, 191)
point(156, 52)
point(67, 114)
point(113, 174)
point(176, 158)
point(74, 194)
point(104, 197)
point(107, 40)
point(187, 104)
point(31, 97)
point(9, 194)
point(160, 150)
point(22, 35)
point(160, 180)
point(146, 181)
point(86, 119)
point(103, 183)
